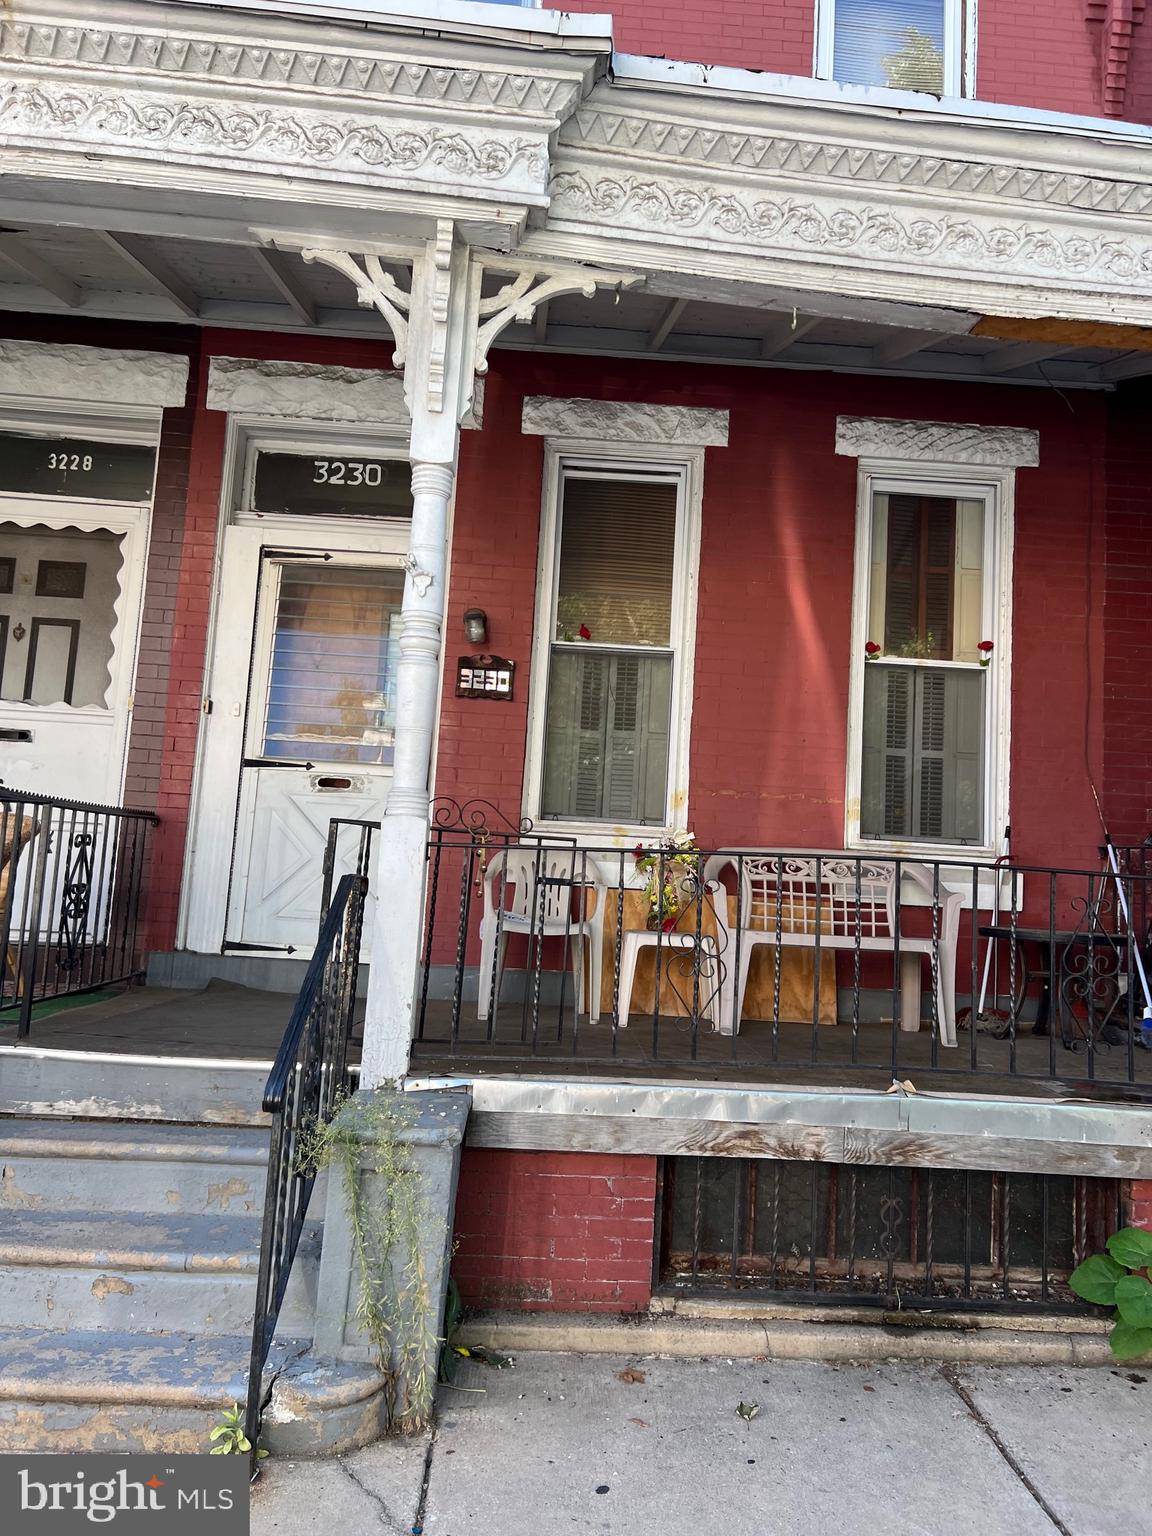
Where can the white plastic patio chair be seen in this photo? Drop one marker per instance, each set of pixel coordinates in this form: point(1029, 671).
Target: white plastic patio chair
point(514, 903)
point(713, 981)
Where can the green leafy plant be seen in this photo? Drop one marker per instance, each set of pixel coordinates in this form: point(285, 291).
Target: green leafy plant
point(1119, 1279)
point(393, 1305)
point(229, 1435)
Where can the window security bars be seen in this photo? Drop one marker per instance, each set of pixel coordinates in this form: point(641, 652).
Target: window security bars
point(308, 1080)
point(71, 882)
point(915, 1238)
point(826, 968)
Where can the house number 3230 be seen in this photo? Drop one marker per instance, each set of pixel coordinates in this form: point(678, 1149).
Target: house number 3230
point(345, 472)
point(69, 461)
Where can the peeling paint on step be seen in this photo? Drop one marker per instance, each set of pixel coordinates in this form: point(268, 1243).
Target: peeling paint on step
point(12, 1196)
point(111, 1285)
point(224, 1194)
point(173, 1197)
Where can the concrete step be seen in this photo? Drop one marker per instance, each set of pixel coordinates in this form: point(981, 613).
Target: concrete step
point(91, 1085)
point(66, 1165)
point(132, 1391)
point(94, 1270)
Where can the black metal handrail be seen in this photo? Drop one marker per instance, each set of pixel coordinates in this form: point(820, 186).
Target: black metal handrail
point(335, 853)
point(71, 886)
point(934, 967)
point(308, 1079)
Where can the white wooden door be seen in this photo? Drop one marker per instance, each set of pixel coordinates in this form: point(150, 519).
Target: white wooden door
point(317, 739)
point(70, 591)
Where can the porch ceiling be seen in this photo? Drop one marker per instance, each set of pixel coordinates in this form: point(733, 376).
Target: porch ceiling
point(238, 283)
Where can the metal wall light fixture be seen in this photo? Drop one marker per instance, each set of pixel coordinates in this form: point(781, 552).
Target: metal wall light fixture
point(476, 626)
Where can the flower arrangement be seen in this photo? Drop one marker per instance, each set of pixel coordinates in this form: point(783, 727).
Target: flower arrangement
point(986, 647)
point(672, 877)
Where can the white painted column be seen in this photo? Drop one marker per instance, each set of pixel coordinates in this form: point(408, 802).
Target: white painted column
point(437, 384)
point(400, 869)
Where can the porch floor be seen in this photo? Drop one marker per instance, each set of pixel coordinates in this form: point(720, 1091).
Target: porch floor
point(224, 1021)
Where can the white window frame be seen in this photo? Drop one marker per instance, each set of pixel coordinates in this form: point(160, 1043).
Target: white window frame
point(996, 487)
point(623, 459)
point(959, 45)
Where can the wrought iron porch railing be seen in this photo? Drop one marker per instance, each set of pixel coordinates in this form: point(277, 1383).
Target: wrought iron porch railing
point(348, 848)
point(896, 1238)
point(304, 1089)
point(829, 968)
point(71, 885)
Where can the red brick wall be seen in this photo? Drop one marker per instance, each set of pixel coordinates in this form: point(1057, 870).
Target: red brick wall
point(1128, 617)
point(1055, 66)
point(1140, 1203)
point(555, 1231)
point(775, 586)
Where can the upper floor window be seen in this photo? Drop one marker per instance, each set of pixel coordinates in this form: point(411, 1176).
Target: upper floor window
point(907, 45)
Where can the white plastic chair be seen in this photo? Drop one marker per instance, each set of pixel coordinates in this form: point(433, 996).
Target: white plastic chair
point(858, 905)
point(514, 903)
point(713, 987)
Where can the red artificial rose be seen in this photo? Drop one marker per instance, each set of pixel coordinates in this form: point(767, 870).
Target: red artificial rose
point(987, 646)
point(584, 632)
point(668, 924)
point(871, 648)
point(639, 851)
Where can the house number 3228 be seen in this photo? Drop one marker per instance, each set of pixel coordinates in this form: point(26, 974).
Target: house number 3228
point(345, 472)
point(69, 461)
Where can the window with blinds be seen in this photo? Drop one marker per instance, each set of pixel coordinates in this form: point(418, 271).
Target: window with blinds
point(923, 765)
point(897, 43)
point(609, 707)
point(332, 684)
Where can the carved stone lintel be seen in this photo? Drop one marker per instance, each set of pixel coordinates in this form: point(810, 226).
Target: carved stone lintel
point(625, 421)
point(942, 442)
point(96, 375)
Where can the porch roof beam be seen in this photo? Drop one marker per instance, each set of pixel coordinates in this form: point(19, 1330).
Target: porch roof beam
point(1132, 365)
point(154, 270)
point(902, 344)
point(666, 324)
point(16, 253)
point(778, 341)
point(284, 276)
point(540, 323)
point(1021, 354)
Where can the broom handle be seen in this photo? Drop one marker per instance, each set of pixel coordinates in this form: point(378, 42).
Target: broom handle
point(1115, 863)
point(995, 915)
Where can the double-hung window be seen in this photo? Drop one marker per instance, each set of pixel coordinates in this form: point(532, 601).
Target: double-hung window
point(907, 45)
point(609, 748)
point(927, 759)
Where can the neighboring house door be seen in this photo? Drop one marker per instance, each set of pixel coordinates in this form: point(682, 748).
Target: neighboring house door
point(70, 591)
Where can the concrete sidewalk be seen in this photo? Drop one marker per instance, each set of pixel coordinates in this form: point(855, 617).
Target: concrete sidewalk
point(561, 1443)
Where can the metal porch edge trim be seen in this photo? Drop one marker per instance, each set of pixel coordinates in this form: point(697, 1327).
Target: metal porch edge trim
point(851, 1126)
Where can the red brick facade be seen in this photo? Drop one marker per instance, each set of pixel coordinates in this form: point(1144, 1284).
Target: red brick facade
point(1090, 57)
point(555, 1231)
point(1140, 1203)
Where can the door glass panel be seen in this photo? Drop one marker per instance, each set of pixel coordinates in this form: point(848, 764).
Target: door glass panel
point(332, 685)
point(57, 614)
point(332, 487)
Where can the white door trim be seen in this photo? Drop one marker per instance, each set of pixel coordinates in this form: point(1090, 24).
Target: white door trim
point(212, 838)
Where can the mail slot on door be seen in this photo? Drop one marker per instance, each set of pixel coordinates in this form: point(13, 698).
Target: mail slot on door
point(11, 733)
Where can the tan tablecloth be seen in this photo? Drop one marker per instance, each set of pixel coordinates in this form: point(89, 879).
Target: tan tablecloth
point(797, 969)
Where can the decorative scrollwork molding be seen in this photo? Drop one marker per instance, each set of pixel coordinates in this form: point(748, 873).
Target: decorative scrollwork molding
point(791, 224)
point(943, 442)
point(625, 421)
point(375, 289)
point(272, 134)
point(519, 299)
